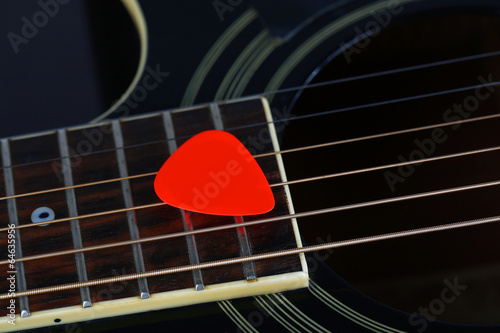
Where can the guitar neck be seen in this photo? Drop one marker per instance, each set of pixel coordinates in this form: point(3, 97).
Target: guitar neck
point(108, 222)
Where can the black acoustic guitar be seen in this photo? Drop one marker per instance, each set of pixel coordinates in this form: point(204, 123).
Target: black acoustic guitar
point(375, 123)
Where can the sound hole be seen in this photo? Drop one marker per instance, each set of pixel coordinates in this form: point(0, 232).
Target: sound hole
point(417, 272)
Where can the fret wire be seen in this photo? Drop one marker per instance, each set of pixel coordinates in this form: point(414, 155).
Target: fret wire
point(248, 266)
point(73, 212)
point(168, 126)
point(291, 150)
point(216, 116)
point(245, 250)
point(270, 220)
point(127, 198)
point(351, 108)
point(255, 257)
point(192, 251)
point(14, 219)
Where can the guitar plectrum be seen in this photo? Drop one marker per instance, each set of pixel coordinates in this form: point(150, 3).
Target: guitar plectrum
point(213, 173)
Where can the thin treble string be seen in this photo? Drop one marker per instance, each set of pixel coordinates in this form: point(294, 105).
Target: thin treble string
point(291, 150)
point(380, 135)
point(100, 182)
point(256, 222)
point(255, 257)
point(311, 115)
point(386, 166)
point(391, 101)
point(381, 73)
point(352, 108)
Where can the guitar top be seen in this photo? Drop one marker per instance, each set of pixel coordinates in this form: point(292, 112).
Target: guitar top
point(374, 122)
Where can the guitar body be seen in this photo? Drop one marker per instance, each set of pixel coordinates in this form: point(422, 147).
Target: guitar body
point(193, 54)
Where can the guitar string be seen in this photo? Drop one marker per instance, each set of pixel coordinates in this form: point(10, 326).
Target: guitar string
point(303, 180)
point(256, 222)
point(304, 148)
point(254, 257)
point(331, 82)
point(382, 73)
point(281, 152)
point(318, 114)
point(251, 223)
point(290, 182)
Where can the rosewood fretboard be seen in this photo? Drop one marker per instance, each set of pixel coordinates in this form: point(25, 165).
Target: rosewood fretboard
point(118, 149)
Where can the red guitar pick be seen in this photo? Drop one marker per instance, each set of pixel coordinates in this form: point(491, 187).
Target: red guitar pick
point(213, 173)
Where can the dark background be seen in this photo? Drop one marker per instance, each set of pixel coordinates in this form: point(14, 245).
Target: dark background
point(70, 69)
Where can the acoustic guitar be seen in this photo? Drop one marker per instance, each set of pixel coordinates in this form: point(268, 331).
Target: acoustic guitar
point(376, 125)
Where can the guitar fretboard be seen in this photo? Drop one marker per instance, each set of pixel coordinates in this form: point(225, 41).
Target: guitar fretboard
point(99, 161)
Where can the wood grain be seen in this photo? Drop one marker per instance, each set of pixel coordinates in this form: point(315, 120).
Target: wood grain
point(146, 149)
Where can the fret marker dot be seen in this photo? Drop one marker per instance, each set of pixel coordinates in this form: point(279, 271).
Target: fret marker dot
point(42, 214)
